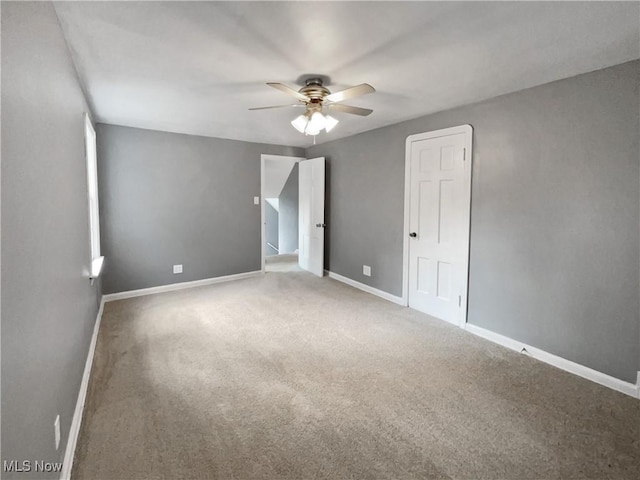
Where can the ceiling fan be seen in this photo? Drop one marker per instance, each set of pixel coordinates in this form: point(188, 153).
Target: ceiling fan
point(315, 97)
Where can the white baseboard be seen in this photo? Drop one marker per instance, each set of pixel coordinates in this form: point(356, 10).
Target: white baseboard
point(366, 288)
point(559, 362)
point(76, 422)
point(179, 286)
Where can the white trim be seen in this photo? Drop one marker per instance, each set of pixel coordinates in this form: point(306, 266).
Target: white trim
point(76, 422)
point(91, 163)
point(96, 268)
point(366, 288)
point(263, 157)
point(468, 130)
point(405, 226)
point(179, 286)
point(559, 362)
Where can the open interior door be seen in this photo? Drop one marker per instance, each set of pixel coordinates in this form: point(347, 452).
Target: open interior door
point(311, 213)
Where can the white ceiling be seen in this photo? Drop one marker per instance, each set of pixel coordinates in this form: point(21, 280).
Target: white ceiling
point(196, 67)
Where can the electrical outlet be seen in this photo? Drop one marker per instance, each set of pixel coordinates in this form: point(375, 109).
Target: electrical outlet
point(177, 269)
point(56, 430)
point(366, 270)
point(256, 200)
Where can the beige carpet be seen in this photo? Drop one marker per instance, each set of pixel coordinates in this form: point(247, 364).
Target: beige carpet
point(290, 376)
point(282, 263)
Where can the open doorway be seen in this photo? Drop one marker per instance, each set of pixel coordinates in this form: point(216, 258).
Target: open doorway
point(279, 187)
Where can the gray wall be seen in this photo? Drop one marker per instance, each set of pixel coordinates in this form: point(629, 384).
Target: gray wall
point(270, 229)
point(288, 219)
point(555, 212)
point(48, 305)
point(168, 199)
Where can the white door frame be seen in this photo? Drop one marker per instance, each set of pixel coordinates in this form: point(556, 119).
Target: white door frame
point(263, 158)
point(468, 130)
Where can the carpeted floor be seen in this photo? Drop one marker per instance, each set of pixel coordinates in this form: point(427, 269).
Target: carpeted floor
point(282, 263)
point(290, 376)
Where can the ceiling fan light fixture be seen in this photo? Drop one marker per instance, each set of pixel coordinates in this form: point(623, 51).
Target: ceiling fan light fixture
point(311, 131)
point(300, 123)
point(329, 123)
point(316, 122)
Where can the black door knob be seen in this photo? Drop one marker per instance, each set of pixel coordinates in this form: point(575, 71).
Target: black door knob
point(413, 234)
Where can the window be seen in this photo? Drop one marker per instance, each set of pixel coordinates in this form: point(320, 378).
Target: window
point(92, 189)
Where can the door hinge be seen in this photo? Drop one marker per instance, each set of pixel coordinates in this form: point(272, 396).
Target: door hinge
point(464, 154)
point(459, 300)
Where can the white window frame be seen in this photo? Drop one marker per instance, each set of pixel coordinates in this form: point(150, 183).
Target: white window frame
point(91, 157)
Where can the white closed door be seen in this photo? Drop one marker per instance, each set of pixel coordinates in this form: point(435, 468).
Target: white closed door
point(439, 203)
point(311, 215)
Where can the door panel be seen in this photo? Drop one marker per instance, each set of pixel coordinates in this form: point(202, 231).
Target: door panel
point(438, 210)
point(424, 282)
point(311, 215)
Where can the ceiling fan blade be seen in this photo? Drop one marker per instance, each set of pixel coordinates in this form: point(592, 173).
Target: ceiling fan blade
point(356, 91)
point(363, 112)
point(283, 88)
point(278, 106)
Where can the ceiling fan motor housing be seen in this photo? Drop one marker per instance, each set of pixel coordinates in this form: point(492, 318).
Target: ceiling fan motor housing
point(314, 90)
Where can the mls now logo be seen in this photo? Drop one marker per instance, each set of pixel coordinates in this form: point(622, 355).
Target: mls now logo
point(28, 466)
